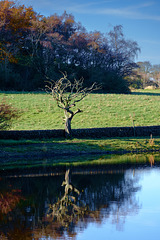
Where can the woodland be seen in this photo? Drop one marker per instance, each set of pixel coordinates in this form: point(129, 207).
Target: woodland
point(34, 48)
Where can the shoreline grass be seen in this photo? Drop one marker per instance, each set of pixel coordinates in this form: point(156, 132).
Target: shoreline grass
point(96, 161)
point(74, 152)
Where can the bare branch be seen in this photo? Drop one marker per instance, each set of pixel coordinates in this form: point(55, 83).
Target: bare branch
point(68, 94)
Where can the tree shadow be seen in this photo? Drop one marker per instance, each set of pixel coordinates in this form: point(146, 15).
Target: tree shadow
point(145, 93)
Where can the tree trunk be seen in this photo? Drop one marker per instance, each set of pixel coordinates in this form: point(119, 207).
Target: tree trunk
point(68, 118)
point(68, 131)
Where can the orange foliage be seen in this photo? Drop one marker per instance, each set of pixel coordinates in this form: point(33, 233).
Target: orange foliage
point(14, 17)
point(5, 54)
point(14, 21)
point(9, 200)
point(79, 39)
point(96, 41)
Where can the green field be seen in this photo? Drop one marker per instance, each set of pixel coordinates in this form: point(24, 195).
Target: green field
point(39, 111)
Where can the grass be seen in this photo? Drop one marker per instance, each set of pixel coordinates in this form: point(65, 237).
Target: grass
point(90, 161)
point(39, 111)
point(87, 145)
point(75, 152)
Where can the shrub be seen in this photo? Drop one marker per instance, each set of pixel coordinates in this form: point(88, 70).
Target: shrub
point(7, 114)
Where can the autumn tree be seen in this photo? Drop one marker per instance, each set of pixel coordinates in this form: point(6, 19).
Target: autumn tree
point(67, 94)
point(32, 45)
point(15, 24)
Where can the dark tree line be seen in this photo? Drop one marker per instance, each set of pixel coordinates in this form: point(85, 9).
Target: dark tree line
point(33, 47)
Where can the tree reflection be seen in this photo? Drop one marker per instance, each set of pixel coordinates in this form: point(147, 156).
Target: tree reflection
point(151, 160)
point(51, 211)
point(114, 199)
point(69, 210)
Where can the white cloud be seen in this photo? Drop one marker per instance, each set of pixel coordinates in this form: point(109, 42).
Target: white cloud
point(127, 13)
point(151, 42)
point(131, 12)
point(97, 8)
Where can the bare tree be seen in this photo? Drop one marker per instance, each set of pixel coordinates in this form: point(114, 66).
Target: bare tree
point(67, 94)
point(145, 69)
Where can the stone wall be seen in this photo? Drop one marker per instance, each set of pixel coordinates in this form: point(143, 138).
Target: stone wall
point(32, 134)
point(118, 132)
point(144, 131)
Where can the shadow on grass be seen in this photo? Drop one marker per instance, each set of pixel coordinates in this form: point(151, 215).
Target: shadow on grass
point(72, 147)
point(59, 154)
point(14, 149)
point(23, 92)
point(30, 154)
point(98, 93)
point(145, 93)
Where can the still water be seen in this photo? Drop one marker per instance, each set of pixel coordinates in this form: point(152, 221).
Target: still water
point(118, 204)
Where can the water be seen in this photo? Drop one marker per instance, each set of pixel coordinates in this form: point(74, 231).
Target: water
point(118, 204)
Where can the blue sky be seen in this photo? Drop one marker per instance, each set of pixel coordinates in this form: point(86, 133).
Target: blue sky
point(140, 19)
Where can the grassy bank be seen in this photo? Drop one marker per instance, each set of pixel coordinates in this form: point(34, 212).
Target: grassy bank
point(27, 153)
point(97, 162)
point(39, 111)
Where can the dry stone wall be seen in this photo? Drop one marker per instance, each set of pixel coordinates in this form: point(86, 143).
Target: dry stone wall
point(144, 131)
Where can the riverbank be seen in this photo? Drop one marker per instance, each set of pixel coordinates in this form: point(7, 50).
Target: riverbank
point(29, 153)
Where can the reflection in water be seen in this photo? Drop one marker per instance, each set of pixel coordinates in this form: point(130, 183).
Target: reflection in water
point(46, 207)
point(151, 160)
point(9, 200)
point(68, 210)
